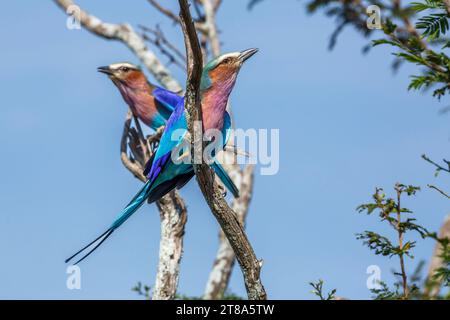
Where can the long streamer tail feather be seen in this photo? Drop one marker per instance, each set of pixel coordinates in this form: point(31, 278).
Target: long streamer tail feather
point(126, 213)
point(225, 178)
point(100, 240)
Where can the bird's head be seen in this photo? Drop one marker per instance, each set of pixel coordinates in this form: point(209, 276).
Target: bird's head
point(124, 74)
point(223, 70)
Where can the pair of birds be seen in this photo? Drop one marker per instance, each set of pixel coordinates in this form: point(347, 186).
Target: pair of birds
point(156, 107)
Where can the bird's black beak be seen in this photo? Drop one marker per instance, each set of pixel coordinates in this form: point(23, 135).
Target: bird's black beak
point(247, 54)
point(106, 70)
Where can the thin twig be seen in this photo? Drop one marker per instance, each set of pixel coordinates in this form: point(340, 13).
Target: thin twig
point(160, 35)
point(168, 13)
point(439, 190)
point(217, 4)
point(164, 51)
point(125, 33)
point(438, 166)
point(200, 15)
point(172, 16)
point(400, 243)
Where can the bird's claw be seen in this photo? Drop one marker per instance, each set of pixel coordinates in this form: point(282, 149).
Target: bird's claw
point(237, 151)
point(222, 190)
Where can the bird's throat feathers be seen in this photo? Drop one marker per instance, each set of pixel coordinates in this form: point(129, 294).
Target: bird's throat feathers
point(137, 93)
point(217, 85)
point(134, 80)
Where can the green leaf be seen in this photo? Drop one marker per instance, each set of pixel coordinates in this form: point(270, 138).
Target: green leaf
point(428, 4)
point(433, 25)
point(389, 27)
point(411, 58)
point(384, 41)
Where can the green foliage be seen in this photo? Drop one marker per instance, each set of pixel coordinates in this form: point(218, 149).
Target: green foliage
point(390, 211)
point(228, 295)
point(418, 40)
point(142, 290)
point(385, 293)
point(389, 27)
point(427, 4)
point(433, 25)
point(318, 291)
point(418, 33)
point(145, 292)
point(379, 244)
point(443, 273)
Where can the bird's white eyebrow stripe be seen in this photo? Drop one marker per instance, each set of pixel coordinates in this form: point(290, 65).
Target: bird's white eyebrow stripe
point(116, 66)
point(229, 55)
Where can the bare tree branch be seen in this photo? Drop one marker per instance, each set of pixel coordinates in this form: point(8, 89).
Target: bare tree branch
point(223, 264)
point(217, 4)
point(438, 166)
point(172, 16)
point(220, 275)
point(126, 34)
point(130, 163)
point(198, 11)
point(160, 35)
point(166, 48)
point(168, 13)
point(434, 286)
point(170, 246)
point(210, 24)
point(227, 219)
point(439, 190)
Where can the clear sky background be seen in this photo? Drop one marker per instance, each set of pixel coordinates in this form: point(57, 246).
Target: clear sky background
point(347, 124)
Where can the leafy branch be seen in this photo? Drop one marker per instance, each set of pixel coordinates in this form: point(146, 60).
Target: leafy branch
point(391, 210)
point(419, 40)
point(318, 291)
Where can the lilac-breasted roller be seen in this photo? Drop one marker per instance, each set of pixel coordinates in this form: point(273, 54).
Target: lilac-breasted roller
point(151, 104)
point(164, 174)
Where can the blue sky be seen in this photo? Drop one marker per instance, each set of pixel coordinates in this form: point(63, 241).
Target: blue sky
point(347, 124)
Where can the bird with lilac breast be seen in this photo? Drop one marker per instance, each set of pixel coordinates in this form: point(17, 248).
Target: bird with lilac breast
point(165, 174)
point(152, 105)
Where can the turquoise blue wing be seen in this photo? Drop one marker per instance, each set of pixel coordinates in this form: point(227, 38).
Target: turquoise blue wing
point(166, 101)
point(172, 137)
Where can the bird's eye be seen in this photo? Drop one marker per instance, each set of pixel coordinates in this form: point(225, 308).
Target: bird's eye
point(226, 61)
point(124, 69)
